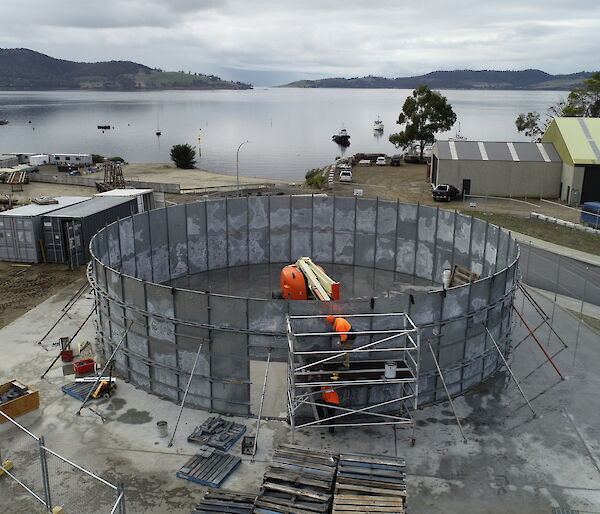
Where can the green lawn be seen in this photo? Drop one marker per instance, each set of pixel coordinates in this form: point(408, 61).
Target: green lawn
point(550, 232)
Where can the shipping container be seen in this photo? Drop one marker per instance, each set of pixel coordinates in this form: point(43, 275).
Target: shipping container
point(68, 231)
point(21, 234)
point(147, 199)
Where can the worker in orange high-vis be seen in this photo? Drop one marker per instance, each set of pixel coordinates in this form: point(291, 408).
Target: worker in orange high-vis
point(330, 399)
point(342, 326)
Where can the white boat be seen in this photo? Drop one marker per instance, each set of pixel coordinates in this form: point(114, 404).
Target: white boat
point(378, 125)
point(457, 136)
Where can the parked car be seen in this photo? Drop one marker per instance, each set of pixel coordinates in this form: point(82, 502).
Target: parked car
point(344, 166)
point(381, 161)
point(445, 193)
point(345, 175)
point(396, 160)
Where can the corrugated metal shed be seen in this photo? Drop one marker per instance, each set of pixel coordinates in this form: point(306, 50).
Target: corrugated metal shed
point(21, 229)
point(496, 151)
point(68, 231)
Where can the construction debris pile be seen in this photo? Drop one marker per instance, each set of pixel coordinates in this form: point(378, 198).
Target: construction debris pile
point(309, 481)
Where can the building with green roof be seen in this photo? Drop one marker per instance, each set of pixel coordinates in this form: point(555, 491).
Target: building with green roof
point(577, 141)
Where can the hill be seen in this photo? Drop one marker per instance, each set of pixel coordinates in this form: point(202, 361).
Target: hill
point(458, 79)
point(22, 69)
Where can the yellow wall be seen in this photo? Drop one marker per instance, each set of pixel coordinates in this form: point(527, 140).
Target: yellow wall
point(554, 136)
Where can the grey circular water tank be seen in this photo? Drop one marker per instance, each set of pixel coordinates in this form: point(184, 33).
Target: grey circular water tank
point(133, 258)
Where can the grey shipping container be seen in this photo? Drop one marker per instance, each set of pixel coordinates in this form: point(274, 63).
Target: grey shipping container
point(21, 231)
point(68, 231)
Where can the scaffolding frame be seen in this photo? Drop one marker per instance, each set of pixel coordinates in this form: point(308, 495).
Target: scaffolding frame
point(306, 373)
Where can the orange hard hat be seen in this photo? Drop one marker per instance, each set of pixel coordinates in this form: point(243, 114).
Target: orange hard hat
point(330, 319)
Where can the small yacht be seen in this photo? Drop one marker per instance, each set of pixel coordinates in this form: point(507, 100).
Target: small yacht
point(378, 125)
point(457, 136)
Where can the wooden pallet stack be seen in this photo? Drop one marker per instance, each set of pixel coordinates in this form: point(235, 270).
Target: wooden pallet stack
point(369, 484)
point(222, 500)
point(299, 481)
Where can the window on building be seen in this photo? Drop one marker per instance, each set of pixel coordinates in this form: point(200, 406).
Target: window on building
point(67, 158)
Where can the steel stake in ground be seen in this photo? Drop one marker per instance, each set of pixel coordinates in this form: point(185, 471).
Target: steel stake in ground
point(262, 401)
point(437, 365)
point(187, 388)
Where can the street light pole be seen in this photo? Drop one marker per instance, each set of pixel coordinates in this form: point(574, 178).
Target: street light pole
point(237, 167)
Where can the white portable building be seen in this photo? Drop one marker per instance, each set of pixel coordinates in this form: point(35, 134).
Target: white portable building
point(76, 159)
point(39, 159)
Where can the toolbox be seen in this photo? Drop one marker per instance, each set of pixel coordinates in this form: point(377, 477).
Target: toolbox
point(84, 366)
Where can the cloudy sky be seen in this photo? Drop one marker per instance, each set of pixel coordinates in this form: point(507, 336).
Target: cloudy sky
point(269, 42)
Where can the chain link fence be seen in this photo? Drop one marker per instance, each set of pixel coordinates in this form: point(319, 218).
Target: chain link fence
point(51, 479)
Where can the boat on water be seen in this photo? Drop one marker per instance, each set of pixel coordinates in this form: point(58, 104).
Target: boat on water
point(378, 125)
point(3, 122)
point(342, 137)
point(457, 135)
point(103, 127)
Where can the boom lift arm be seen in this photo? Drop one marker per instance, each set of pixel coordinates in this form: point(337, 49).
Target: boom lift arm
point(304, 279)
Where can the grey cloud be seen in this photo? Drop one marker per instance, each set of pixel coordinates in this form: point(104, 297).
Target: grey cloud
point(312, 38)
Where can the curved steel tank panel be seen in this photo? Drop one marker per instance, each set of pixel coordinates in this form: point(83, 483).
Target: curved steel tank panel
point(134, 256)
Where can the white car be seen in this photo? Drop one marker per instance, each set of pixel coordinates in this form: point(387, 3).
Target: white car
point(345, 176)
point(381, 161)
point(344, 166)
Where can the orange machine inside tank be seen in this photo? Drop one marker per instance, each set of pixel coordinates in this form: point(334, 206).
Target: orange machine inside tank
point(304, 280)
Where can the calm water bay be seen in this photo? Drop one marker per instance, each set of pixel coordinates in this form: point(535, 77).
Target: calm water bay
point(289, 129)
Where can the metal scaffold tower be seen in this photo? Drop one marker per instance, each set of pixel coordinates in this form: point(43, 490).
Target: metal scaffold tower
point(379, 388)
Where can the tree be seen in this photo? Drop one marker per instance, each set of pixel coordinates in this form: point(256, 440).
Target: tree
point(184, 156)
point(582, 102)
point(585, 101)
point(425, 112)
point(534, 124)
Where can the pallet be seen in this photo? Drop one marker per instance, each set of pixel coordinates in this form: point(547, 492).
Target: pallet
point(461, 275)
point(298, 481)
point(369, 484)
point(209, 467)
point(218, 433)
point(223, 500)
point(79, 390)
point(356, 503)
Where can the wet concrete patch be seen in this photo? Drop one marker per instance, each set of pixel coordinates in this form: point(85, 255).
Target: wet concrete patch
point(135, 417)
point(116, 404)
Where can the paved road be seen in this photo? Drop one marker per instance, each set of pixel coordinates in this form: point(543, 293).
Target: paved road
point(553, 272)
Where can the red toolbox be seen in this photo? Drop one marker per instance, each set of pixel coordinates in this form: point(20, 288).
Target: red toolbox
point(84, 366)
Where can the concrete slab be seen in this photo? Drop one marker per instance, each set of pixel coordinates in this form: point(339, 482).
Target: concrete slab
point(512, 462)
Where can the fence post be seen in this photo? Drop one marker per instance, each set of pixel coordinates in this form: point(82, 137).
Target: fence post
point(45, 478)
point(121, 493)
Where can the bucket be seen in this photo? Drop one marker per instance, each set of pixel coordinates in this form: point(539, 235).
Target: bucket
point(390, 369)
point(163, 431)
point(66, 355)
point(446, 275)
